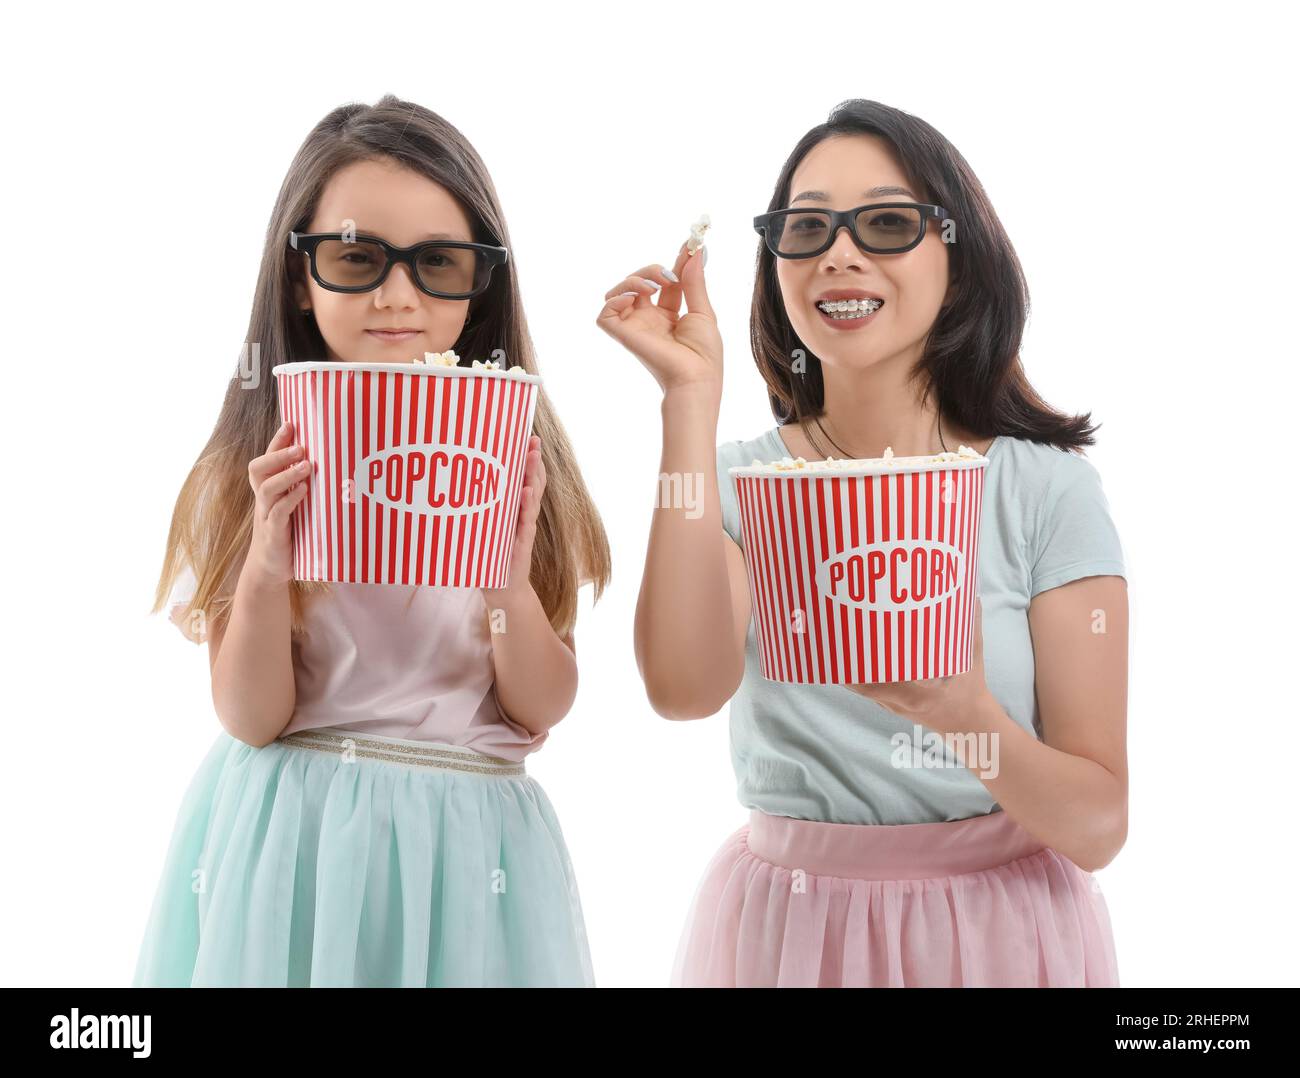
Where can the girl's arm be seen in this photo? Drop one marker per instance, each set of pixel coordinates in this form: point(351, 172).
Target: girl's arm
point(536, 672)
point(253, 687)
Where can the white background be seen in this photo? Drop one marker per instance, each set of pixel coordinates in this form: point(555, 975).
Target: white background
point(1140, 156)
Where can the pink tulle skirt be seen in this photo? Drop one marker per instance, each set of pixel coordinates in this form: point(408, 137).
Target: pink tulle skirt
point(966, 903)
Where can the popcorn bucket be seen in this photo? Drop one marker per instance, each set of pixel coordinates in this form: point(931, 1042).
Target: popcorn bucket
point(864, 571)
point(416, 470)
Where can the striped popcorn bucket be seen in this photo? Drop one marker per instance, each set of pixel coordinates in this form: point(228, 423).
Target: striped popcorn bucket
point(862, 575)
point(416, 471)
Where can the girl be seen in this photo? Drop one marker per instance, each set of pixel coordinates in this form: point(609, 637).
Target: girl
point(365, 817)
point(857, 867)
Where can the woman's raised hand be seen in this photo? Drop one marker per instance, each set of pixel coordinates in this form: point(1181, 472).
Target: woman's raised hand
point(678, 349)
point(279, 481)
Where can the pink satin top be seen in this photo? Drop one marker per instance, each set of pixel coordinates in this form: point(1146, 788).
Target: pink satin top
point(400, 661)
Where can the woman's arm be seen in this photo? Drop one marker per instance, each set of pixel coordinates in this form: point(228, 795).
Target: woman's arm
point(1071, 789)
point(691, 619)
point(689, 632)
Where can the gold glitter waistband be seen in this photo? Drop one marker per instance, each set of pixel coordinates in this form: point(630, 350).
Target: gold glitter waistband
point(425, 755)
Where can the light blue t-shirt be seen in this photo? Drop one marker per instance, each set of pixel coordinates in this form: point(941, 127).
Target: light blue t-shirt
point(823, 752)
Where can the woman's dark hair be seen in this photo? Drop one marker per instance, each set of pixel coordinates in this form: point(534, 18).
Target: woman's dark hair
point(971, 365)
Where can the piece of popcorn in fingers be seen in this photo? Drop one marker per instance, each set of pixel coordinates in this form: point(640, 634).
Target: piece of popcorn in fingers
point(696, 240)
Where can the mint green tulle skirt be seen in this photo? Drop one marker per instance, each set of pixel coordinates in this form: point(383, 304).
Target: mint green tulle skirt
point(338, 859)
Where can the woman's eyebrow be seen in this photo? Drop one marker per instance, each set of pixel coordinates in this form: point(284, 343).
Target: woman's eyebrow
point(875, 192)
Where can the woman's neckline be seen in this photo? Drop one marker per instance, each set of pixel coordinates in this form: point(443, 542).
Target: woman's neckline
point(775, 435)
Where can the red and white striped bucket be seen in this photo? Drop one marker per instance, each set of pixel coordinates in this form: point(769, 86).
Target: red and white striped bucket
point(416, 471)
point(862, 575)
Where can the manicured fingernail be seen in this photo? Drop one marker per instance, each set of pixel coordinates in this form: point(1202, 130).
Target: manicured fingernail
point(654, 285)
point(629, 293)
point(704, 257)
point(670, 275)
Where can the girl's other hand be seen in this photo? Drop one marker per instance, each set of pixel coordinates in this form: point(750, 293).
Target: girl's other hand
point(278, 479)
point(678, 349)
point(530, 505)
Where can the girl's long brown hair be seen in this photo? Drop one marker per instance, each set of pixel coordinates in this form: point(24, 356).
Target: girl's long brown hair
point(970, 366)
point(212, 522)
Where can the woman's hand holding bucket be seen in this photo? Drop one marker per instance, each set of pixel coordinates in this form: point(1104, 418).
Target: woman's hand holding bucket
point(678, 349)
point(944, 704)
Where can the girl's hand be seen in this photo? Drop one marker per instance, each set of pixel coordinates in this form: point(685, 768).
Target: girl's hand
point(944, 704)
point(278, 481)
point(530, 504)
point(679, 350)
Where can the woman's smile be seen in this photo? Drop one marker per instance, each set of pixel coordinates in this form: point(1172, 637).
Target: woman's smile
point(848, 309)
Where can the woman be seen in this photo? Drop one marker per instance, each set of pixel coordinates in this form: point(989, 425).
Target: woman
point(894, 326)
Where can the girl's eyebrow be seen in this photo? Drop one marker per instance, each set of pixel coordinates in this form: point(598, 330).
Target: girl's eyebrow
point(875, 192)
point(424, 238)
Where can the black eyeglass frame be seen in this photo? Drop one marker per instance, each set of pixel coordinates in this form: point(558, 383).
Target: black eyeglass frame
point(307, 242)
point(848, 219)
